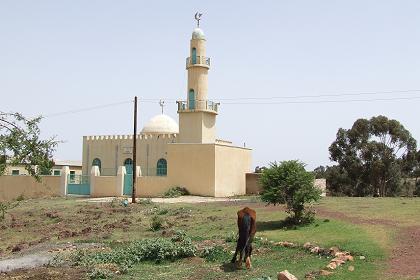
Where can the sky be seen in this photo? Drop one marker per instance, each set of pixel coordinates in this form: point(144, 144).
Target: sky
point(57, 57)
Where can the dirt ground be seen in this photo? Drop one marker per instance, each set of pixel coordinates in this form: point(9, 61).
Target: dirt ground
point(405, 258)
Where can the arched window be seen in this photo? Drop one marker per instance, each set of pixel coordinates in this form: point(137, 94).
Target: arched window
point(128, 163)
point(97, 162)
point(161, 169)
point(194, 56)
point(191, 100)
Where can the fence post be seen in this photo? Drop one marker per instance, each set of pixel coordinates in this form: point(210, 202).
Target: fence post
point(65, 171)
point(94, 172)
point(120, 180)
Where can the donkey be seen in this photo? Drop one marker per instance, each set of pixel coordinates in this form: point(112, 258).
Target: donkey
point(247, 229)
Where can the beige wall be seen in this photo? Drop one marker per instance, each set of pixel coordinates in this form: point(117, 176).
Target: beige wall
point(104, 186)
point(197, 127)
point(114, 150)
point(152, 186)
point(252, 184)
point(192, 166)
point(254, 187)
point(232, 163)
point(13, 186)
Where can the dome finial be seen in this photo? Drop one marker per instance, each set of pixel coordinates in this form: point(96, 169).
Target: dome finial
point(162, 104)
point(198, 18)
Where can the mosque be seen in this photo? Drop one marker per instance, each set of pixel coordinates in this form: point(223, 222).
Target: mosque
point(189, 155)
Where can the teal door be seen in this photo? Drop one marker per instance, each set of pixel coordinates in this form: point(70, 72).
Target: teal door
point(194, 56)
point(191, 100)
point(128, 180)
point(78, 184)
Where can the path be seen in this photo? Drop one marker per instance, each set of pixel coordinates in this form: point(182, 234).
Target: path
point(181, 199)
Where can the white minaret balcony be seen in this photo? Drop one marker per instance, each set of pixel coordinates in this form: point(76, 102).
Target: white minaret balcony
point(198, 61)
point(198, 105)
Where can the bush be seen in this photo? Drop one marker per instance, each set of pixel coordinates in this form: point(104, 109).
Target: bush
point(176, 191)
point(289, 183)
point(21, 197)
point(124, 257)
point(216, 253)
point(100, 273)
point(156, 223)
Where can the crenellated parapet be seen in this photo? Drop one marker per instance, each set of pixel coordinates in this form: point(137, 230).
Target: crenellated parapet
point(130, 137)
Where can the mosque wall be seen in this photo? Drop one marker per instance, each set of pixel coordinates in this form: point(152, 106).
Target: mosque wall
point(232, 163)
point(197, 127)
point(192, 166)
point(113, 150)
point(153, 186)
point(12, 187)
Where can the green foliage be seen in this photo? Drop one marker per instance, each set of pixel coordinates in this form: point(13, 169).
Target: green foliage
point(215, 253)
point(373, 155)
point(231, 237)
point(21, 197)
point(124, 257)
point(289, 183)
point(5, 206)
point(100, 273)
point(20, 143)
point(156, 223)
point(176, 191)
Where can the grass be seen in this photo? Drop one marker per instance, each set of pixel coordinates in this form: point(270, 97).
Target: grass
point(60, 220)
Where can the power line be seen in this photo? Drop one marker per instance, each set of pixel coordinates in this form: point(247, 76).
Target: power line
point(87, 109)
point(321, 101)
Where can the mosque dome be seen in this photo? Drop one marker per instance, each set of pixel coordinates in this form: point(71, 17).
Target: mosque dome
point(198, 34)
point(161, 124)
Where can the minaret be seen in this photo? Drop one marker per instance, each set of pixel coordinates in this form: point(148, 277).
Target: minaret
point(197, 115)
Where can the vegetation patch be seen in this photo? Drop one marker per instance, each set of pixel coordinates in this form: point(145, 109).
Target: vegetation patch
point(176, 191)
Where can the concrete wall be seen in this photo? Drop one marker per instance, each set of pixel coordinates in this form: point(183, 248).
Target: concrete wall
point(13, 186)
point(192, 166)
point(252, 184)
point(232, 163)
point(254, 187)
point(113, 150)
point(104, 186)
point(197, 127)
point(152, 186)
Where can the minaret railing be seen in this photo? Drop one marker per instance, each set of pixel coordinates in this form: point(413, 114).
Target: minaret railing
point(199, 60)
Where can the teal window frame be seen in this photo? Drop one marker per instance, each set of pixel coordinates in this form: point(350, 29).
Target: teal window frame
point(162, 167)
point(15, 172)
point(97, 162)
point(191, 100)
point(57, 172)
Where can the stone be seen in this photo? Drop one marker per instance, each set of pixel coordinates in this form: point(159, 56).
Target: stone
point(325, 272)
point(349, 258)
point(351, 268)
point(286, 275)
point(307, 245)
point(315, 250)
point(334, 250)
point(332, 265)
point(362, 257)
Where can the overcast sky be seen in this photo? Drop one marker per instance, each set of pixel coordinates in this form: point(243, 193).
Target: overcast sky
point(58, 56)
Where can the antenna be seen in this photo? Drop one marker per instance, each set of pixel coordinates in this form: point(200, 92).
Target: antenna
point(197, 17)
point(162, 104)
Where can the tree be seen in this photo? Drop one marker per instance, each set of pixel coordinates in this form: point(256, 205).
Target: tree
point(374, 154)
point(289, 183)
point(21, 144)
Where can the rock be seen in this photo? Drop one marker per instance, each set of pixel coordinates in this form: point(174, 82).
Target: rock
point(325, 272)
point(349, 258)
point(351, 268)
point(307, 245)
point(362, 257)
point(286, 275)
point(338, 261)
point(332, 265)
point(334, 250)
point(315, 250)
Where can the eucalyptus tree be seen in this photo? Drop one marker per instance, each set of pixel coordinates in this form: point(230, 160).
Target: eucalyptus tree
point(374, 154)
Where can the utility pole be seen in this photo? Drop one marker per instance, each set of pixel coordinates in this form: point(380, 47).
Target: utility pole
point(133, 195)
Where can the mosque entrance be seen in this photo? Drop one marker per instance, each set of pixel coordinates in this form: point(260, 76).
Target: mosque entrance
point(128, 178)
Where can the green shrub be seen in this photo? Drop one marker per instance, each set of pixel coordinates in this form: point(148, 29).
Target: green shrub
point(215, 253)
point(176, 191)
point(289, 183)
point(231, 237)
point(100, 273)
point(124, 257)
point(21, 197)
point(156, 223)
